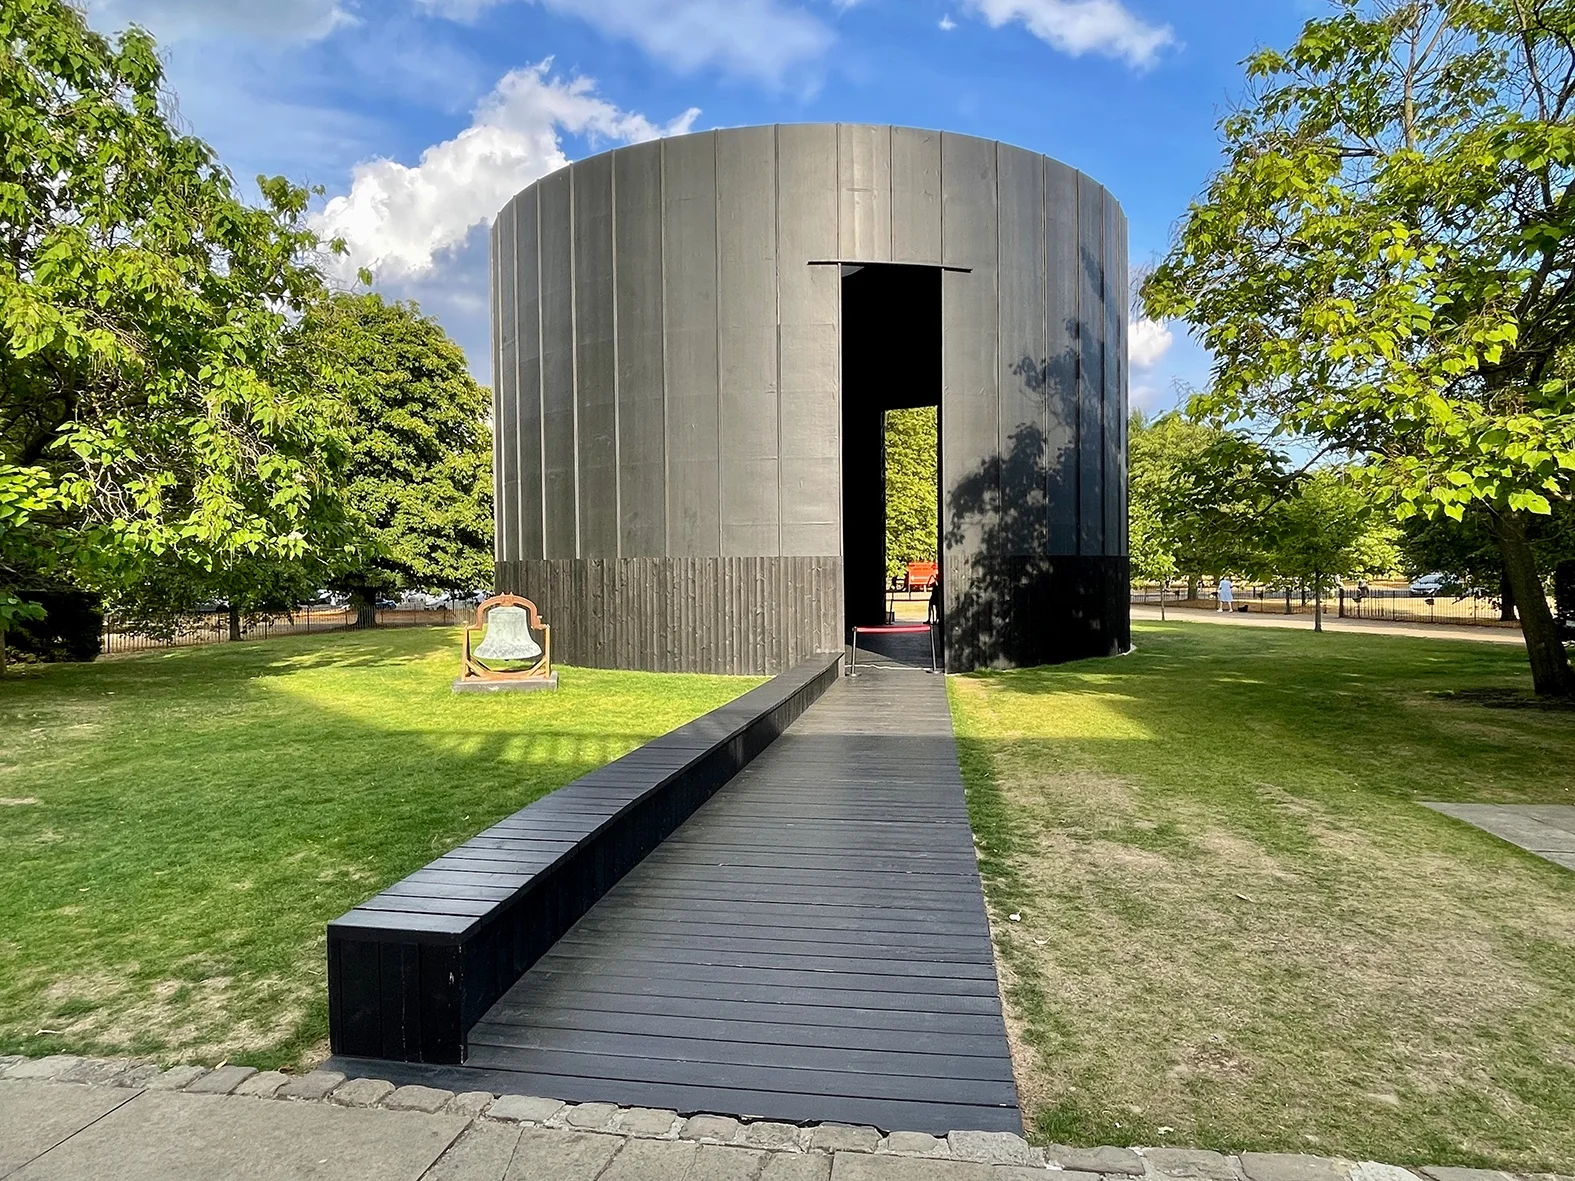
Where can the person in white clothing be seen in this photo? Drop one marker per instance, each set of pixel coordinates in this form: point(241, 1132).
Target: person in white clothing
point(1225, 595)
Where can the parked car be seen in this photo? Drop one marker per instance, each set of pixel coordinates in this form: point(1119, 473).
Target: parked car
point(424, 601)
point(1426, 586)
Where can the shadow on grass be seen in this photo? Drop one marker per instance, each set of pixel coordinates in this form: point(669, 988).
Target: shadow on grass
point(202, 813)
point(1237, 927)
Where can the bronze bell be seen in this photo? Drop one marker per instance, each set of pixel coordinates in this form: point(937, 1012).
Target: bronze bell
point(508, 636)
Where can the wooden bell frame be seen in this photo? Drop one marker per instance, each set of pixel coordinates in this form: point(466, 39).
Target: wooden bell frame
point(474, 670)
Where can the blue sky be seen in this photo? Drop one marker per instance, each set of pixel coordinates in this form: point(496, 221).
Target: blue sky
point(420, 117)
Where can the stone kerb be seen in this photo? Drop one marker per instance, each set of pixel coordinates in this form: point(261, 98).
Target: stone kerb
point(667, 1143)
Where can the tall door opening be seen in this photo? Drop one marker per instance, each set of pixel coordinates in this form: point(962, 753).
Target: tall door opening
point(891, 360)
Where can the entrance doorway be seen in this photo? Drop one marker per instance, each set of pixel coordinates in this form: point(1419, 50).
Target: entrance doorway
point(891, 360)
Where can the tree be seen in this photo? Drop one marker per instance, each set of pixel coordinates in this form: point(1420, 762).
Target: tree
point(1385, 265)
point(148, 406)
point(419, 479)
point(1467, 552)
point(1326, 529)
point(170, 592)
point(912, 502)
point(1197, 494)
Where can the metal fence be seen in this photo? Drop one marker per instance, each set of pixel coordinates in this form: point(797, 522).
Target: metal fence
point(214, 627)
point(1380, 603)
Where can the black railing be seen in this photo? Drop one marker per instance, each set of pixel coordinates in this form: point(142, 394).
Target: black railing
point(1397, 605)
point(213, 627)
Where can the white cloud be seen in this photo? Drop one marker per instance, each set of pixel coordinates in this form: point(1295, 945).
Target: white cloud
point(753, 38)
point(1082, 26)
point(177, 20)
point(396, 219)
point(947, 24)
point(1147, 343)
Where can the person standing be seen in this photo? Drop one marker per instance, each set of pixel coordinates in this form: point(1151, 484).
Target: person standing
point(1226, 595)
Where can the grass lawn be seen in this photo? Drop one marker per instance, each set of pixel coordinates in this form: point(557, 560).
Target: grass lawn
point(1239, 928)
point(178, 827)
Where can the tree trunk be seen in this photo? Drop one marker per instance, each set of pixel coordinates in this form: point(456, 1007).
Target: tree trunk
point(235, 623)
point(1164, 585)
point(1506, 599)
point(1550, 666)
point(2, 651)
point(364, 600)
point(1317, 602)
point(1192, 588)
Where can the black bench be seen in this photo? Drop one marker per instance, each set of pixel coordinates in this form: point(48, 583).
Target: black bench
point(412, 969)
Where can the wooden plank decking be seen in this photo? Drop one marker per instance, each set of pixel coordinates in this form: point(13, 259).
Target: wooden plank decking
point(811, 945)
point(413, 968)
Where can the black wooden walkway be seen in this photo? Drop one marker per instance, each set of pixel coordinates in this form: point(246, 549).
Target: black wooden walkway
point(810, 945)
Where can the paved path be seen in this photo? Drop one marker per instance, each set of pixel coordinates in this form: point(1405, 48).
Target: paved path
point(811, 945)
point(1375, 627)
point(123, 1121)
point(1548, 830)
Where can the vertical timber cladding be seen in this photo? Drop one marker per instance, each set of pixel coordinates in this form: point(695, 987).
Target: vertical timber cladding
point(669, 394)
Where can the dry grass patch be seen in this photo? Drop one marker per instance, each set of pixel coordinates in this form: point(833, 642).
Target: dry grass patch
point(1237, 924)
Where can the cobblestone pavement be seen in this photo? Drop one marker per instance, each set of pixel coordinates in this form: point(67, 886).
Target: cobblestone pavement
point(88, 1118)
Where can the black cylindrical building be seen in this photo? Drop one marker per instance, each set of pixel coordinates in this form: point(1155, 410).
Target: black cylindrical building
point(694, 340)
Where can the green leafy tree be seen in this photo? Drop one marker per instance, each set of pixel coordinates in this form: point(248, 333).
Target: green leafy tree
point(1467, 553)
point(1386, 263)
point(170, 593)
point(1196, 499)
point(911, 498)
point(148, 404)
point(419, 480)
point(1327, 528)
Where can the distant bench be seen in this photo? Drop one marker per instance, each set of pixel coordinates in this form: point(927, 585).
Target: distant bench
point(412, 969)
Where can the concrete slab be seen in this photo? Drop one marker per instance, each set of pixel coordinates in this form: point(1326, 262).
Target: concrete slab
point(34, 1117)
point(545, 1154)
point(483, 1153)
point(1548, 830)
point(862, 1166)
point(175, 1136)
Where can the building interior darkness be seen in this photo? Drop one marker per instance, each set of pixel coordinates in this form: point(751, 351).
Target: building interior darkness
point(891, 360)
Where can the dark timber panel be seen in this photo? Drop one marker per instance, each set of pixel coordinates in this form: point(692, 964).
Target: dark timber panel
point(1021, 356)
point(689, 278)
point(1061, 347)
point(811, 945)
point(557, 369)
point(500, 549)
point(1116, 282)
point(915, 195)
point(1113, 391)
point(746, 169)
point(596, 407)
point(864, 191)
point(811, 472)
point(1091, 366)
point(637, 253)
point(526, 279)
point(970, 397)
point(627, 610)
point(507, 424)
point(412, 969)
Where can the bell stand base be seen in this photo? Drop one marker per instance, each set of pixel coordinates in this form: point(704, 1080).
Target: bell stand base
point(522, 685)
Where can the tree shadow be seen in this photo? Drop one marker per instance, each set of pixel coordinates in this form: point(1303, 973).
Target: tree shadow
point(1029, 581)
